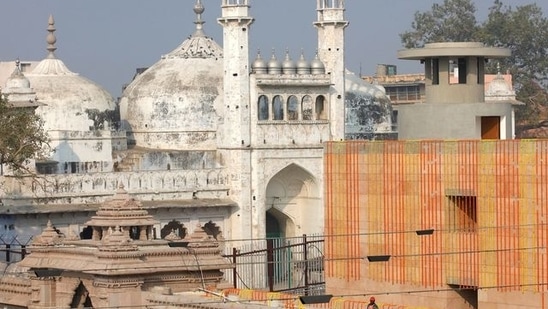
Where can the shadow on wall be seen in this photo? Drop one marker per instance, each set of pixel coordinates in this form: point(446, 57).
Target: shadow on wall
point(68, 160)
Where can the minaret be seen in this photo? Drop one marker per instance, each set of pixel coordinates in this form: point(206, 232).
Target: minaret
point(331, 25)
point(236, 21)
point(234, 133)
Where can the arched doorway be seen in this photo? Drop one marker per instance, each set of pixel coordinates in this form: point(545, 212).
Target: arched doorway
point(293, 203)
point(273, 229)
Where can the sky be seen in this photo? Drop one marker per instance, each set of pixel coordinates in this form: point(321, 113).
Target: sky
point(106, 40)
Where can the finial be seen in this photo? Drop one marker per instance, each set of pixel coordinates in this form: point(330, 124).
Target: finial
point(273, 53)
point(199, 10)
point(17, 72)
point(498, 68)
point(51, 37)
point(317, 56)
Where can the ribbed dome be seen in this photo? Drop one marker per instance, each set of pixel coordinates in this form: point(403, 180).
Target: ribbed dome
point(259, 66)
point(288, 66)
point(172, 105)
point(274, 66)
point(303, 67)
point(368, 109)
point(317, 66)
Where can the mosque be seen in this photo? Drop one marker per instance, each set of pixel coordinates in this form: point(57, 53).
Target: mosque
point(206, 136)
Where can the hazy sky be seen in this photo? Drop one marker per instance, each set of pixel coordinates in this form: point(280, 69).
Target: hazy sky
point(106, 40)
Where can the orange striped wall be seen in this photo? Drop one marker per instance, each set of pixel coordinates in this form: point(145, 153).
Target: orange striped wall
point(486, 200)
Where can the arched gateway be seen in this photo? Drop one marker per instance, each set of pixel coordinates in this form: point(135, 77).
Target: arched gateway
point(293, 203)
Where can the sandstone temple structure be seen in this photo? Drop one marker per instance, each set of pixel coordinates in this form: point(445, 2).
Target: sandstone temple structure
point(122, 265)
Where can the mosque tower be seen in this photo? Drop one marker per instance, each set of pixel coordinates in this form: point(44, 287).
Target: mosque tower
point(235, 21)
point(331, 24)
point(234, 133)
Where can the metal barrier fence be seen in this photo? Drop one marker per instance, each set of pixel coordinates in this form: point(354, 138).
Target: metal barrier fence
point(13, 247)
point(293, 265)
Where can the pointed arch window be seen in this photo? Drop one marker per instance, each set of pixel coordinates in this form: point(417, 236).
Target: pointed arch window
point(321, 114)
point(307, 106)
point(292, 108)
point(262, 109)
point(278, 108)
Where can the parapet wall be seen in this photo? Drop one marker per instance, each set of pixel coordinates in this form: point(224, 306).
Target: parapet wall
point(95, 187)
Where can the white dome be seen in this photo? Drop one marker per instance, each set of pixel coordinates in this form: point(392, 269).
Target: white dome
point(289, 66)
point(368, 109)
point(71, 102)
point(17, 81)
point(499, 90)
point(18, 90)
point(172, 105)
point(259, 65)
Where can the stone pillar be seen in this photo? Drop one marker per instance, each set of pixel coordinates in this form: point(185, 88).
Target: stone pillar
point(43, 293)
point(96, 233)
point(143, 232)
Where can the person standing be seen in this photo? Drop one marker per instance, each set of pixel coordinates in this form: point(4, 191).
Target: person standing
point(372, 304)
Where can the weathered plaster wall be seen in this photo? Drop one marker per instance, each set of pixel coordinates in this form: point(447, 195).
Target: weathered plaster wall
point(90, 151)
point(150, 160)
point(95, 187)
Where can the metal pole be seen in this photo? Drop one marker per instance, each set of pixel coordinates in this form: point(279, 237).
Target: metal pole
point(234, 270)
point(270, 263)
point(305, 265)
